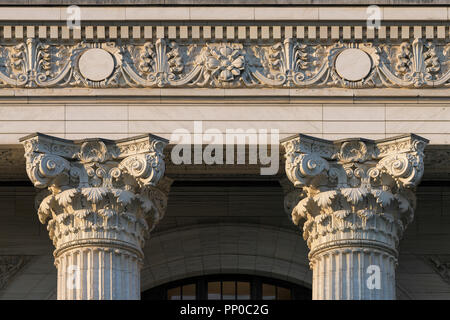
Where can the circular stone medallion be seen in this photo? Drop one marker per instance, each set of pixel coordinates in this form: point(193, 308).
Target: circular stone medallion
point(353, 64)
point(96, 64)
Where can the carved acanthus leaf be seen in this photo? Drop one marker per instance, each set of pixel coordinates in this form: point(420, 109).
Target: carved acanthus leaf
point(325, 198)
point(354, 195)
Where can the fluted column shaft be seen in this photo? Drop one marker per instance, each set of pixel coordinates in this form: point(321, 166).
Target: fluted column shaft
point(353, 258)
point(98, 273)
point(353, 200)
point(342, 274)
point(100, 200)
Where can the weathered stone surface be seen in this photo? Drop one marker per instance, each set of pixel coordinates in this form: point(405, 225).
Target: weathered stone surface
point(267, 67)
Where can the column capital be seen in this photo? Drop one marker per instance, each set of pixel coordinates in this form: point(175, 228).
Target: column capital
point(354, 176)
point(97, 177)
point(101, 199)
point(100, 194)
point(141, 156)
point(356, 194)
point(307, 157)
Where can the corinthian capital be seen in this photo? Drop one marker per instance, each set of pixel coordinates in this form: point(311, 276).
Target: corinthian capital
point(355, 176)
point(100, 195)
point(97, 176)
point(355, 193)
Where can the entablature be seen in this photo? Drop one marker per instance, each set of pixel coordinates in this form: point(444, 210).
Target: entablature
point(224, 47)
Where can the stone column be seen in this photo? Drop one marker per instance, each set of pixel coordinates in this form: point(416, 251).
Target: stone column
point(101, 199)
point(353, 199)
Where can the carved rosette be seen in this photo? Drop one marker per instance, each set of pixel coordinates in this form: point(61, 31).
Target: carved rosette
point(357, 197)
point(100, 196)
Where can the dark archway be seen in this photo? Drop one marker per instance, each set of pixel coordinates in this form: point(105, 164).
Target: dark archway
point(228, 287)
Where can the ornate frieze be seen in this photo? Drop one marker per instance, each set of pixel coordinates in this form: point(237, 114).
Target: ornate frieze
point(101, 199)
point(356, 199)
point(162, 62)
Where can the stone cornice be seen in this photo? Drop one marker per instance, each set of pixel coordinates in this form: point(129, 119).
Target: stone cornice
point(215, 30)
point(224, 95)
point(226, 3)
point(229, 47)
point(226, 13)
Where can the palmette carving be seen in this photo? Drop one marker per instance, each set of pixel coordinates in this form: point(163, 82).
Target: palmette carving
point(288, 63)
point(98, 191)
point(154, 65)
point(417, 65)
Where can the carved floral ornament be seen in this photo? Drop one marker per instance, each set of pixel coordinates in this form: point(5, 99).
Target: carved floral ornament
point(98, 186)
point(343, 185)
point(290, 63)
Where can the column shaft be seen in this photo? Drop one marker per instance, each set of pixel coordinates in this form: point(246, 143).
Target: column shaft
point(353, 258)
point(92, 273)
point(342, 274)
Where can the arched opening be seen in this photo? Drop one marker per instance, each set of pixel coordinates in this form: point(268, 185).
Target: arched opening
point(228, 287)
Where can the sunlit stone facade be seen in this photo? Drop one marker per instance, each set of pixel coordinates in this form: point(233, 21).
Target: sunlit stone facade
point(349, 102)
